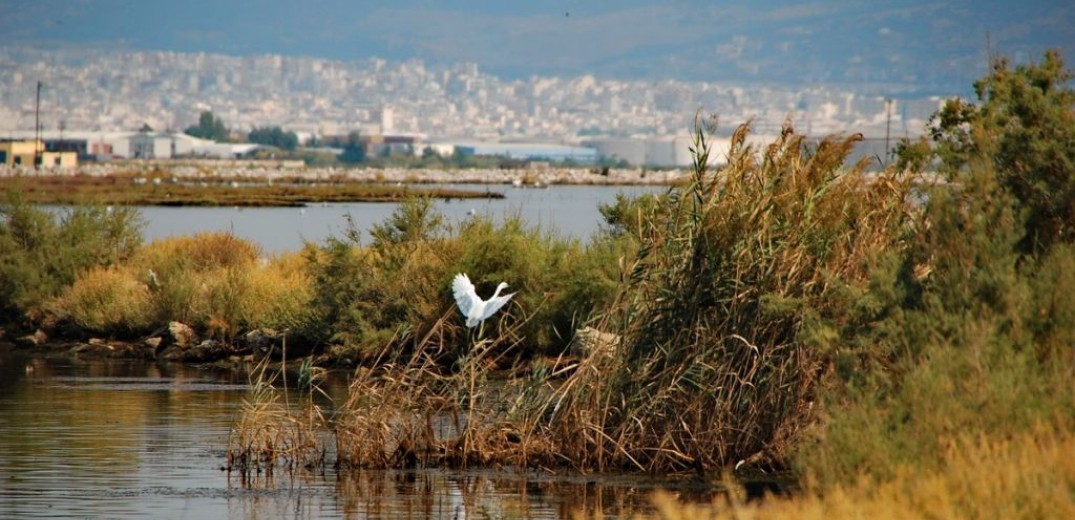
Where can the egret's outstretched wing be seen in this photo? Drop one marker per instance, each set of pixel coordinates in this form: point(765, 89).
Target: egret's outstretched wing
point(465, 296)
point(494, 304)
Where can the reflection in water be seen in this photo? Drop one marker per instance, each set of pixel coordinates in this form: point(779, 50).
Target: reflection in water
point(122, 439)
point(484, 494)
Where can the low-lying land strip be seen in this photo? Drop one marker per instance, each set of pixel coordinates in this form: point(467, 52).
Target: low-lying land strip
point(170, 190)
point(275, 183)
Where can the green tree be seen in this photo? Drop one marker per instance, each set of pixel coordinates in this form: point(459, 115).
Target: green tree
point(354, 151)
point(274, 136)
point(209, 127)
point(1024, 127)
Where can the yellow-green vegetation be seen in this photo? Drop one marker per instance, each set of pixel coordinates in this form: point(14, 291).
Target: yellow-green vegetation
point(148, 190)
point(1029, 475)
point(212, 281)
point(899, 347)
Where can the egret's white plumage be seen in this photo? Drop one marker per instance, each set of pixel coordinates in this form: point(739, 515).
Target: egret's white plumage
point(473, 307)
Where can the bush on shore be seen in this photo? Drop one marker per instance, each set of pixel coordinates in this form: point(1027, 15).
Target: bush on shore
point(42, 253)
point(397, 288)
point(211, 281)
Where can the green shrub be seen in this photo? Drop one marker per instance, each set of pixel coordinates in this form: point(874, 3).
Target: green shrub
point(553, 291)
point(397, 289)
point(971, 332)
point(41, 253)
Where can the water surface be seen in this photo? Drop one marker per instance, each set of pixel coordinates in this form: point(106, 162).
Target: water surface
point(570, 211)
point(127, 439)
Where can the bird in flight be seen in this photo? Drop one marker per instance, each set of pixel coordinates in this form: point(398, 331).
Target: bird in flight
point(471, 305)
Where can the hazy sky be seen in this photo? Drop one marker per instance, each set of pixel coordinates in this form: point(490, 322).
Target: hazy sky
point(917, 42)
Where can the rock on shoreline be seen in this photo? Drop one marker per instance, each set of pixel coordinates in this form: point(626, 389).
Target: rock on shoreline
point(174, 342)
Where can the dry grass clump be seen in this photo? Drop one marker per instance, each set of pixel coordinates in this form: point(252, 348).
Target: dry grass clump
point(417, 414)
point(1030, 475)
point(272, 431)
point(394, 413)
point(392, 419)
point(711, 369)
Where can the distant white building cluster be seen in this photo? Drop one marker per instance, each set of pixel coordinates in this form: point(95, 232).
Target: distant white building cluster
point(105, 96)
point(103, 145)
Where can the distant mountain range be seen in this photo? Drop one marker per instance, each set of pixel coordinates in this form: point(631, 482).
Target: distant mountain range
point(933, 46)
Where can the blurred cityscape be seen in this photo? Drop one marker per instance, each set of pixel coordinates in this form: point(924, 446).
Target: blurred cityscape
point(85, 90)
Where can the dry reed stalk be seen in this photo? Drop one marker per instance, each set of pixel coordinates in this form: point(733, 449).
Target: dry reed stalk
point(272, 431)
point(414, 413)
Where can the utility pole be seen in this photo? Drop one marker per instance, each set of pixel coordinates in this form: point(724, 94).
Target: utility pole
point(888, 124)
point(37, 128)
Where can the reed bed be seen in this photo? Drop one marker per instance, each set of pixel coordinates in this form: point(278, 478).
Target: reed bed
point(419, 413)
point(712, 369)
point(273, 431)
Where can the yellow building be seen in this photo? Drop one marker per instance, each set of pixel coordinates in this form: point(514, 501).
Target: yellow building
point(22, 153)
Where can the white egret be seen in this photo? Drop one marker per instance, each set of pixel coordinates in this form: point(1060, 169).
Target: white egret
point(471, 305)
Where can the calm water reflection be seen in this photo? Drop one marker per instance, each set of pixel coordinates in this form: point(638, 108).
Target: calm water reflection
point(121, 439)
point(568, 210)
